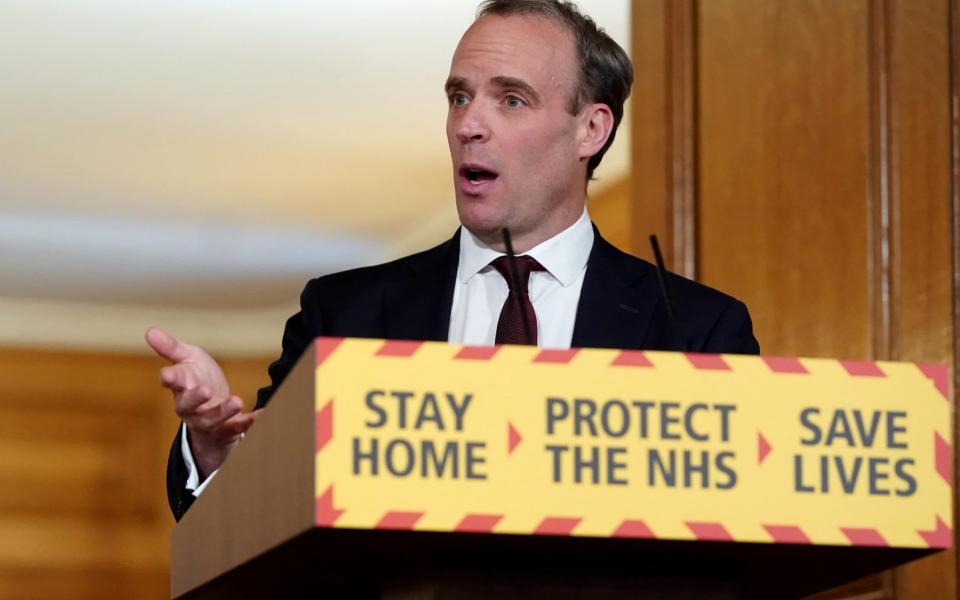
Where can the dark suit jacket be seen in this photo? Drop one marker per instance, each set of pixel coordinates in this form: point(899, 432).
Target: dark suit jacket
point(410, 298)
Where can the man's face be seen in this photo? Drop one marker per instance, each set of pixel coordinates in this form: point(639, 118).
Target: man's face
point(514, 144)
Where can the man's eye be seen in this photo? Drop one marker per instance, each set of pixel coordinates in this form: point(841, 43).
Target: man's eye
point(514, 102)
point(458, 100)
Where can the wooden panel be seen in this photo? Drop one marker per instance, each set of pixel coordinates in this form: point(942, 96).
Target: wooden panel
point(828, 179)
point(955, 220)
point(922, 307)
point(83, 448)
point(783, 169)
point(664, 149)
point(86, 584)
point(920, 90)
point(681, 148)
point(652, 205)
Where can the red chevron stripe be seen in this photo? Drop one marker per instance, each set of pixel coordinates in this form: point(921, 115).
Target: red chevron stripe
point(631, 358)
point(556, 356)
point(940, 376)
point(785, 364)
point(325, 346)
point(862, 368)
point(398, 520)
point(324, 426)
point(787, 534)
point(707, 362)
point(325, 515)
point(478, 523)
point(939, 537)
point(476, 352)
point(943, 457)
point(864, 536)
point(632, 528)
point(557, 526)
point(714, 532)
point(399, 348)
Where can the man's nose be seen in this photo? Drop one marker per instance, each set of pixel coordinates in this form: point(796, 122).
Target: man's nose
point(473, 126)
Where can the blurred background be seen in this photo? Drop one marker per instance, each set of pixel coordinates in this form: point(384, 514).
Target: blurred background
point(191, 164)
point(194, 163)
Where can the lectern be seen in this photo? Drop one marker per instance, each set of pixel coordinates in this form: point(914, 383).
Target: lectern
point(425, 470)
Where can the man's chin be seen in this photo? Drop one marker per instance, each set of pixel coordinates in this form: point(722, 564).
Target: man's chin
point(487, 227)
point(484, 231)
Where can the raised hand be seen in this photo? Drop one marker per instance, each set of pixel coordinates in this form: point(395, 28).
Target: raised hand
point(202, 399)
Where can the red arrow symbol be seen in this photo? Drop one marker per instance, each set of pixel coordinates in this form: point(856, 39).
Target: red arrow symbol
point(513, 437)
point(763, 448)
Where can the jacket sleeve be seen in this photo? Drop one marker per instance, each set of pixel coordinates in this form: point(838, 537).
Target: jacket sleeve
point(299, 331)
point(179, 497)
point(732, 333)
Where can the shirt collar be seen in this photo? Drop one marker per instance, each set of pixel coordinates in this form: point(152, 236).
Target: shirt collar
point(563, 256)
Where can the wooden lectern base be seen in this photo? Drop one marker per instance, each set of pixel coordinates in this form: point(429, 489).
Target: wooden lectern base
point(427, 566)
point(473, 586)
point(252, 535)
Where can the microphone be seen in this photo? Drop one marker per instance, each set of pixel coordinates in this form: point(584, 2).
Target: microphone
point(667, 297)
point(517, 285)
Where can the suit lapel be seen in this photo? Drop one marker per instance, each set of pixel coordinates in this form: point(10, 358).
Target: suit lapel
point(417, 305)
point(617, 301)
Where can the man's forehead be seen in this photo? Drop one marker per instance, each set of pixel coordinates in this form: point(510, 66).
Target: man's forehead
point(528, 29)
point(514, 46)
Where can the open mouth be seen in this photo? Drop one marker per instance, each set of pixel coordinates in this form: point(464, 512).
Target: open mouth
point(477, 175)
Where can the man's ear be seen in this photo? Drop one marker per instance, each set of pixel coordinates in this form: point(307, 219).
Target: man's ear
point(596, 125)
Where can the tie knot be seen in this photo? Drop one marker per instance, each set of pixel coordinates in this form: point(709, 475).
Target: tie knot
point(525, 264)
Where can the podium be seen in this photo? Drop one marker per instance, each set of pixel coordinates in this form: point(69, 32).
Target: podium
point(415, 470)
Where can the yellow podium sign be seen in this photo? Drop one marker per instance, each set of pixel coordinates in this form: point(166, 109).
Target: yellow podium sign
point(608, 443)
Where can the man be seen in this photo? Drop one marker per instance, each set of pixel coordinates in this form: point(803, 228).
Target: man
point(536, 93)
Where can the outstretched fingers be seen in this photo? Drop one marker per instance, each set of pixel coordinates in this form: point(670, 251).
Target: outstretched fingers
point(201, 397)
point(212, 414)
point(178, 378)
point(167, 346)
point(240, 423)
point(189, 401)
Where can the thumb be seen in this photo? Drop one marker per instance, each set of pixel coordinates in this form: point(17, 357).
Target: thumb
point(166, 345)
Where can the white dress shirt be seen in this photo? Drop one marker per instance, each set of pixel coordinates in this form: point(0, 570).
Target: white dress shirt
point(480, 291)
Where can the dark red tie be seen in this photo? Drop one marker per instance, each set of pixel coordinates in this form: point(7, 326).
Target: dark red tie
point(510, 329)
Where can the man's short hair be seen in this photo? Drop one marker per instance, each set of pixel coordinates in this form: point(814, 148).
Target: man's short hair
point(605, 71)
